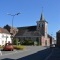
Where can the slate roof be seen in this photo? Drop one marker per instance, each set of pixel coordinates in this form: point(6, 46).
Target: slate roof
point(27, 31)
point(58, 31)
point(42, 18)
point(49, 35)
point(29, 28)
point(2, 30)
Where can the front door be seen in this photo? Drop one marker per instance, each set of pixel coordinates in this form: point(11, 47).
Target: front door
point(45, 42)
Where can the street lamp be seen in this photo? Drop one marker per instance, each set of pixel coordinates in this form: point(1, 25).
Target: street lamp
point(13, 15)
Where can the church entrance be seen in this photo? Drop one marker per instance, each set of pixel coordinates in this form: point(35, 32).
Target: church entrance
point(45, 42)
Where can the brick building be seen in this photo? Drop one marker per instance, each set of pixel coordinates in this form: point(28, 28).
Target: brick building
point(58, 38)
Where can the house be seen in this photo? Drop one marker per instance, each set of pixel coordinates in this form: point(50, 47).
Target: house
point(58, 38)
point(52, 40)
point(37, 33)
point(11, 30)
point(5, 37)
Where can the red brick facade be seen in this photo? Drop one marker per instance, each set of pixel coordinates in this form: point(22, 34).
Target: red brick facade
point(45, 41)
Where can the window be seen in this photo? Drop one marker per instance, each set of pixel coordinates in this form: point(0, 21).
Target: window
point(5, 41)
point(42, 25)
point(3, 36)
point(39, 25)
point(2, 42)
point(10, 36)
point(8, 41)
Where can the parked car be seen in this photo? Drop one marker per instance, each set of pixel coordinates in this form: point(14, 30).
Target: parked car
point(52, 45)
point(8, 47)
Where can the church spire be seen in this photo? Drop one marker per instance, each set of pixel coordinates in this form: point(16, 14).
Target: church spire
point(42, 17)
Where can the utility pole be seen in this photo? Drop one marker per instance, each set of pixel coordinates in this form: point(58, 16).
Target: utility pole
point(13, 15)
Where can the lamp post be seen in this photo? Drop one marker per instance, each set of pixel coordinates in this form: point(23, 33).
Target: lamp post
point(13, 15)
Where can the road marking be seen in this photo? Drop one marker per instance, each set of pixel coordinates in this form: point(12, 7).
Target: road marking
point(49, 55)
point(14, 52)
point(0, 53)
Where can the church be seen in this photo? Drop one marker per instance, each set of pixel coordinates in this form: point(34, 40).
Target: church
point(37, 33)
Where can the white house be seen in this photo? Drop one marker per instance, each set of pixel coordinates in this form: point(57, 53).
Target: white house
point(5, 36)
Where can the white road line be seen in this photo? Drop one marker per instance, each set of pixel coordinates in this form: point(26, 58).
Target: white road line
point(0, 53)
point(49, 55)
point(14, 52)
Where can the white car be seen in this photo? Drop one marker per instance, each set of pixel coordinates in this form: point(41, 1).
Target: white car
point(52, 45)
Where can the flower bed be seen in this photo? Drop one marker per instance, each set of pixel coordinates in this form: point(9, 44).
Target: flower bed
point(18, 47)
point(1, 46)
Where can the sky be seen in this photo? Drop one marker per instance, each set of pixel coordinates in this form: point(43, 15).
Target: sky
point(30, 13)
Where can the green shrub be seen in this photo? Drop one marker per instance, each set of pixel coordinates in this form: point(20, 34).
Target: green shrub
point(16, 41)
point(28, 42)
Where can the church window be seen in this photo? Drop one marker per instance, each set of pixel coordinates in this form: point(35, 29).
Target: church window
point(39, 25)
point(46, 42)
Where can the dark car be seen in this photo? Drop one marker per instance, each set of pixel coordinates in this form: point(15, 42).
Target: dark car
point(8, 47)
point(52, 45)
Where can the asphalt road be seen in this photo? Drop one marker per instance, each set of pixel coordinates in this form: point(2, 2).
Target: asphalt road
point(29, 53)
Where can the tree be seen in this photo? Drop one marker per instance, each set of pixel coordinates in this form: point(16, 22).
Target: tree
point(7, 27)
point(15, 41)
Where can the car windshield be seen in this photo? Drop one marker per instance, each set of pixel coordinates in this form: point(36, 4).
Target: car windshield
point(8, 44)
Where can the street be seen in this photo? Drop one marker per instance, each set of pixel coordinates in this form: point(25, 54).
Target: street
point(29, 53)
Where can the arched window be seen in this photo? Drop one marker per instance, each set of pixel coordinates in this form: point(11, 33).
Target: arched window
point(39, 25)
point(42, 25)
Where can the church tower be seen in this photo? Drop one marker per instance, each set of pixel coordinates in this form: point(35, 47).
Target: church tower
point(42, 26)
